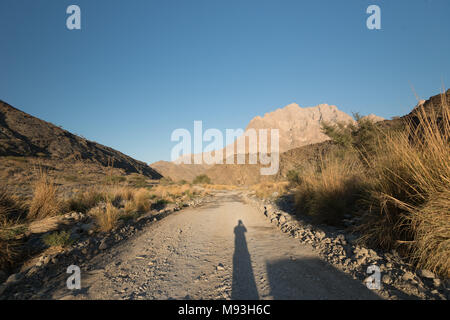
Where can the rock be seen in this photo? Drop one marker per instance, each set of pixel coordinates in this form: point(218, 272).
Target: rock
point(386, 279)
point(363, 252)
point(408, 276)
point(220, 267)
point(86, 227)
point(436, 282)
point(341, 239)
point(320, 235)
point(14, 278)
point(103, 244)
point(427, 274)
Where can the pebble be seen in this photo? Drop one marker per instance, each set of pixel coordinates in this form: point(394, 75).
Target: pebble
point(220, 267)
point(427, 274)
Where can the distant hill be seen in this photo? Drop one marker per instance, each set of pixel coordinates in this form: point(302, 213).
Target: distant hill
point(26, 136)
point(178, 172)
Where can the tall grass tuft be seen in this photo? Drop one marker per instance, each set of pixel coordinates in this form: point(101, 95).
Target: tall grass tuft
point(331, 189)
point(45, 201)
point(106, 218)
point(11, 209)
point(267, 189)
point(410, 199)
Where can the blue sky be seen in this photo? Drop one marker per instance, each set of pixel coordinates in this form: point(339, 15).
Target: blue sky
point(139, 69)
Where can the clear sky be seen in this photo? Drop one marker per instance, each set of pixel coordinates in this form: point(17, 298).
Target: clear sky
point(139, 69)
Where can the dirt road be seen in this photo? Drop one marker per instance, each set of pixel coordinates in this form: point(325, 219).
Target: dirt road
point(223, 250)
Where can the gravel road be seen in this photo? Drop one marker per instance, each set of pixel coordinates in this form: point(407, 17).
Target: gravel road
point(225, 249)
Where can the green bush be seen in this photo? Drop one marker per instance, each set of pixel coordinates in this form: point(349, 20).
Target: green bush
point(293, 177)
point(202, 179)
point(114, 179)
point(56, 238)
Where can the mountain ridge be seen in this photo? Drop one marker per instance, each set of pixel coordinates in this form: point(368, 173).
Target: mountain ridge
point(22, 134)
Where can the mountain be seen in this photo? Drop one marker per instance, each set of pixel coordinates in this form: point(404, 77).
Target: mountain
point(26, 136)
point(297, 127)
point(297, 157)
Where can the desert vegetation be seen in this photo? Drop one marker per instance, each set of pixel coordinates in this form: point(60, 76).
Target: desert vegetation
point(202, 179)
point(111, 203)
point(266, 189)
point(396, 179)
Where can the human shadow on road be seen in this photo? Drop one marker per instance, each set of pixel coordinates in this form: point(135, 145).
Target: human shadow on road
point(244, 285)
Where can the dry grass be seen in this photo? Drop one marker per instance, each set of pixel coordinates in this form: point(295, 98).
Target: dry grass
point(84, 201)
point(219, 187)
point(266, 190)
point(12, 211)
point(331, 189)
point(127, 202)
point(107, 218)
point(45, 201)
point(410, 199)
point(11, 208)
point(141, 200)
point(10, 251)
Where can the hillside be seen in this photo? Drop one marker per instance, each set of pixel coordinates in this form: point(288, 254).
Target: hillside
point(178, 172)
point(23, 135)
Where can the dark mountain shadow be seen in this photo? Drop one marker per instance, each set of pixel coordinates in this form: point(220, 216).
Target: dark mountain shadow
point(313, 278)
point(244, 285)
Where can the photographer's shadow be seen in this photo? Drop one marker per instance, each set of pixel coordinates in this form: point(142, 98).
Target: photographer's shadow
point(244, 285)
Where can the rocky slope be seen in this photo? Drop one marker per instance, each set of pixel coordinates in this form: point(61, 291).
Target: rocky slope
point(26, 136)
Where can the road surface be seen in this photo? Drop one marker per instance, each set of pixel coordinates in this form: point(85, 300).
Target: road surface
point(225, 249)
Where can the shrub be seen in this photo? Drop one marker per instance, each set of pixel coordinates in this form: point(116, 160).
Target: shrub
point(159, 204)
point(84, 201)
point(111, 179)
point(138, 181)
point(202, 179)
point(331, 190)
point(107, 218)
point(11, 209)
point(165, 181)
point(45, 202)
point(265, 190)
point(410, 201)
point(57, 239)
point(142, 200)
point(294, 178)
point(361, 136)
point(10, 251)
